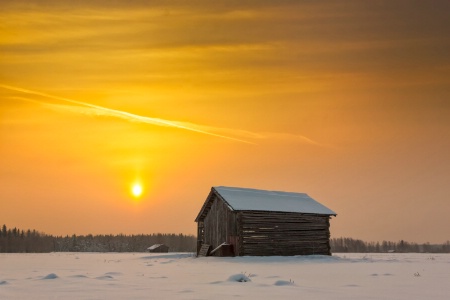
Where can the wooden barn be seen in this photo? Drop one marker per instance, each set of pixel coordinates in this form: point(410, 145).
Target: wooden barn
point(263, 223)
point(158, 248)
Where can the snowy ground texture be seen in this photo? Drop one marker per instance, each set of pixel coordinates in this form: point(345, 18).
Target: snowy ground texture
point(182, 276)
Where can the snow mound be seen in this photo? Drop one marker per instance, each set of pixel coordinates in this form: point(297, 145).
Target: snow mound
point(50, 276)
point(283, 282)
point(239, 278)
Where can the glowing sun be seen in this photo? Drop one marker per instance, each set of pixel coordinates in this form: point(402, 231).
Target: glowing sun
point(136, 190)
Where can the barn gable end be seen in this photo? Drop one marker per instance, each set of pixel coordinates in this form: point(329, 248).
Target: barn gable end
point(257, 222)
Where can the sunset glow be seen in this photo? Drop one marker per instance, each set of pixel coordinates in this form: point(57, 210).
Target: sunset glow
point(345, 101)
point(136, 190)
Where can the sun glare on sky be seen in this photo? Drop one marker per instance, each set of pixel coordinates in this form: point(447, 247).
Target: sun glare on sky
point(136, 190)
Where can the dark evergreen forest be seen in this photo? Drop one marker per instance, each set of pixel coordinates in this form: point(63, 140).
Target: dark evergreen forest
point(347, 245)
point(32, 241)
point(13, 240)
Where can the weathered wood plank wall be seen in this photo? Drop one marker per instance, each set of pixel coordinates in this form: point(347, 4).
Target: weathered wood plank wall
point(219, 224)
point(277, 233)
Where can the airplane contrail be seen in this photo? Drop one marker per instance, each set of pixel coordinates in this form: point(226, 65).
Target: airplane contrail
point(122, 114)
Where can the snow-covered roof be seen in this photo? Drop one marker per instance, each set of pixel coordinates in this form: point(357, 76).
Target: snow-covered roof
point(260, 200)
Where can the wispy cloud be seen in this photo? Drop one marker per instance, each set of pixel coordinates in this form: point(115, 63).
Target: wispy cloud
point(81, 107)
point(100, 110)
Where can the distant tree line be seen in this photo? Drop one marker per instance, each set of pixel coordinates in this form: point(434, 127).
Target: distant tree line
point(339, 245)
point(14, 240)
point(31, 241)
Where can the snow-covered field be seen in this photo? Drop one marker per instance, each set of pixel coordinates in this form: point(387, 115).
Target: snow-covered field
point(182, 276)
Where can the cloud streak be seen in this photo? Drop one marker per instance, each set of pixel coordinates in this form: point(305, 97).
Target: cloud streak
point(81, 107)
point(100, 110)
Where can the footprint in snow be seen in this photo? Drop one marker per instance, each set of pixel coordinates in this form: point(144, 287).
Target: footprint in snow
point(105, 277)
point(167, 262)
point(79, 276)
point(351, 285)
point(113, 273)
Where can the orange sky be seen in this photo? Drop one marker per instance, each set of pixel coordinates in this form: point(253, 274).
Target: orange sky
point(347, 102)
